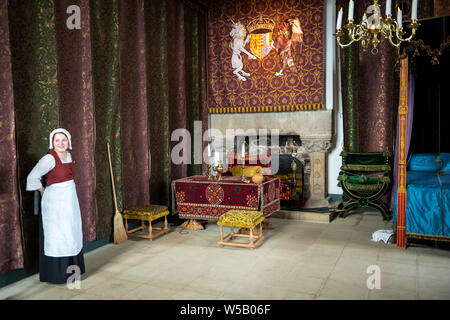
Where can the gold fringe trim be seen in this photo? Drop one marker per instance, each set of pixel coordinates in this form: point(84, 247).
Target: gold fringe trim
point(303, 107)
point(427, 236)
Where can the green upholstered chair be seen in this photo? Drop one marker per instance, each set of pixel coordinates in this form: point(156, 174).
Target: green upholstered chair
point(364, 179)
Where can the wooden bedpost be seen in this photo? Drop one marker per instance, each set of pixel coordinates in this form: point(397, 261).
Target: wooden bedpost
point(402, 155)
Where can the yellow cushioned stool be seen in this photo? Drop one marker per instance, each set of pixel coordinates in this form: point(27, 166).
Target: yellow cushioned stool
point(146, 213)
point(242, 219)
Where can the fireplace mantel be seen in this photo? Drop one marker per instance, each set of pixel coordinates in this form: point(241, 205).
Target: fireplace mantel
point(314, 129)
point(307, 124)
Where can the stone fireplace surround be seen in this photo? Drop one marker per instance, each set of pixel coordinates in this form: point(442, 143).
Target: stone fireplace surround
point(315, 131)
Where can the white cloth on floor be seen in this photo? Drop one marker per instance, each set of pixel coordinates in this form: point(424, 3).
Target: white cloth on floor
point(382, 235)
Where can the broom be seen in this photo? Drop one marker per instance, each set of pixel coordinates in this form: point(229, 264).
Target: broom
point(120, 234)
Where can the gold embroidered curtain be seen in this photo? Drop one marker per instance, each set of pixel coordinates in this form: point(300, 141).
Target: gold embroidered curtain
point(134, 72)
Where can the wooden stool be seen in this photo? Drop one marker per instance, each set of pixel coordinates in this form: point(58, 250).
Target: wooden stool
point(146, 213)
point(242, 219)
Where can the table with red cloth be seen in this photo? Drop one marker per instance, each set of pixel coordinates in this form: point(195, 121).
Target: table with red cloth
point(197, 197)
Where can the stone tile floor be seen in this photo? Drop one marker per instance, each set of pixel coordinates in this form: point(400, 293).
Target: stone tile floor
point(298, 260)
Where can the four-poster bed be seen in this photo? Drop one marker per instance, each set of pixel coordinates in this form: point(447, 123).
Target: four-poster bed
point(421, 206)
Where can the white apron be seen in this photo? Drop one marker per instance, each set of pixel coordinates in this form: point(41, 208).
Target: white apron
point(61, 220)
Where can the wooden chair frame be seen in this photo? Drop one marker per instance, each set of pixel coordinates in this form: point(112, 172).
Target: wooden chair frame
point(150, 229)
point(227, 240)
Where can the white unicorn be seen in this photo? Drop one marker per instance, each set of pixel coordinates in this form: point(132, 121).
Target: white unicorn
point(238, 33)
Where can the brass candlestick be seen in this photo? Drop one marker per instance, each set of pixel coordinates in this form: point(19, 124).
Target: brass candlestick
point(243, 178)
point(294, 172)
point(219, 170)
point(210, 177)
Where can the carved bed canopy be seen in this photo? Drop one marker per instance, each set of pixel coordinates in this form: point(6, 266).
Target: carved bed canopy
point(427, 45)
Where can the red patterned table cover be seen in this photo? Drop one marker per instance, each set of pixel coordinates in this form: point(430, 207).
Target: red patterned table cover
point(197, 197)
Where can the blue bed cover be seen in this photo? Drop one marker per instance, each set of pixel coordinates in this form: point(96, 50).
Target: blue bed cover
point(427, 203)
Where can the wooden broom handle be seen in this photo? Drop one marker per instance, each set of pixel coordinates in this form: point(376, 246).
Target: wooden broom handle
point(112, 177)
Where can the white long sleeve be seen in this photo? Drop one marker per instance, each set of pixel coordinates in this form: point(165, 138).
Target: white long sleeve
point(44, 165)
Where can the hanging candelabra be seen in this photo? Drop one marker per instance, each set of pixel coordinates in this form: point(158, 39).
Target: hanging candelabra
point(374, 29)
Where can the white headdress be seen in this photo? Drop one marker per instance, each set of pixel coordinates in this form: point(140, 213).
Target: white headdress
point(60, 130)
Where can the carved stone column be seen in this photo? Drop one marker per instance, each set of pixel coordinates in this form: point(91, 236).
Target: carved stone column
point(318, 149)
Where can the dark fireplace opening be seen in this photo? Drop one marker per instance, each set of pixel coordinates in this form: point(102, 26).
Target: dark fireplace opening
point(291, 175)
point(291, 166)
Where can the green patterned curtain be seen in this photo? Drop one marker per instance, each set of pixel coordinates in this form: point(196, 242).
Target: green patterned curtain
point(33, 57)
point(349, 74)
point(202, 54)
point(367, 83)
point(158, 101)
point(368, 97)
point(133, 101)
point(175, 86)
point(73, 78)
point(192, 81)
point(177, 61)
point(105, 65)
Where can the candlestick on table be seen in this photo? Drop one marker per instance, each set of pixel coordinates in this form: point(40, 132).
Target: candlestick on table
point(210, 177)
point(209, 162)
point(243, 179)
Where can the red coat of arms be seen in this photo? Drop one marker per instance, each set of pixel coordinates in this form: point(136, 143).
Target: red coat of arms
point(261, 36)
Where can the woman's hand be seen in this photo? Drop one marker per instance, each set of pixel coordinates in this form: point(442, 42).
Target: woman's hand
point(41, 190)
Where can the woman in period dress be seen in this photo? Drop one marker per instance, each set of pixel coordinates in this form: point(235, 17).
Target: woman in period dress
point(60, 228)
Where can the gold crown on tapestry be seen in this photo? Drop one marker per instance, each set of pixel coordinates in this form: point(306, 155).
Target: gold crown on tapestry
point(261, 25)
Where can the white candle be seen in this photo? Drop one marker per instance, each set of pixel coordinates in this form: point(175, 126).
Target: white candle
point(399, 18)
point(216, 157)
point(388, 7)
point(414, 10)
point(364, 18)
point(209, 151)
point(243, 150)
point(339, 19)
point(350, 10)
